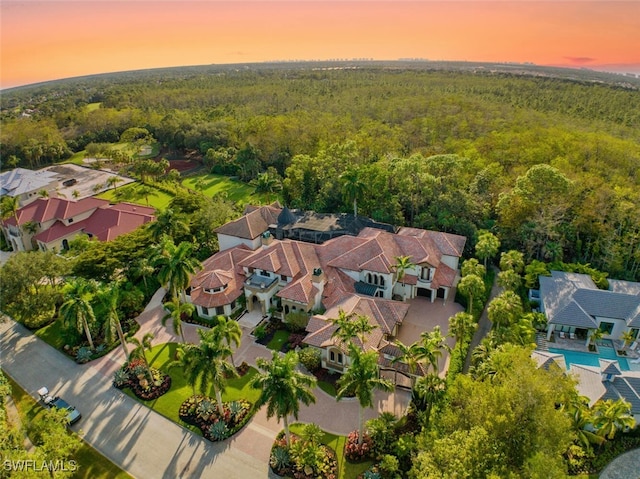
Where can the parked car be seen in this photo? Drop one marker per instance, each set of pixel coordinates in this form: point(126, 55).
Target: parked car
point(59, 403)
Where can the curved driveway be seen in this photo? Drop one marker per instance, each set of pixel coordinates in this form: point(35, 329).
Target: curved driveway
point(137, 439)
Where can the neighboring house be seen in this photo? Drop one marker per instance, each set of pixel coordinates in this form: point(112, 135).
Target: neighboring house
point(574, 305)
point(50, 224)
point(27, 184)
point(606, 381)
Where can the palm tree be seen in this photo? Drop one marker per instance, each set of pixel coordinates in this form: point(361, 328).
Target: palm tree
point(410, 355)
point(146, 191)
point(628, 337)
point(595, 336)
point(352, 187)
point(109, 297)
point(266, 183)
point(143, 269)
point(505, 309)
point(509, 280)
point(611, 416)
point(431, 346)
point(283, 387)
point(176, 266)
point(581, 420)
point(77, 309)
point(472, 266)
point(113, 181)
point(43, 194)
point(207, 364)
point(177, 310)
point(513, 260)
point(345, 330)
point(460, 325)
point(362, 378)
point(428, 391)
point(471, 286)
point(171, 224)
point(140, 346)
point(75, 194)
point(403, 263)
point(228, 330)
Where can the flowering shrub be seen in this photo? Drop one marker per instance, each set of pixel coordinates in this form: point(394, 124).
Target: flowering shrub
point(356, 453)
point(202, 411)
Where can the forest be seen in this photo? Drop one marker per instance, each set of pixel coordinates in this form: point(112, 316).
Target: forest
point(551, 165)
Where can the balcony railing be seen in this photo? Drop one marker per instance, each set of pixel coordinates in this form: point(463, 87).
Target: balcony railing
point(259, 281)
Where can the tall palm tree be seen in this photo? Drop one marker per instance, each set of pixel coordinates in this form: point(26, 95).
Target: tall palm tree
point(110, 299)
point(362, 378)
point(431, 346)
point(352, 187)
point(403, 263)
point(283, 387)
point(611, 416)
point(228, 330)
point(472, 266)
point(345, 330)
point(628, 337)
point(176, 311)
point(206, 363)
point(176, 265)
point(143, 269)
point(460, 325)
point(141, 345)
point(76, 309)
point(113, 181)
point(410, 355)
point(505, 309)
point(471, 286)
point(428, 391)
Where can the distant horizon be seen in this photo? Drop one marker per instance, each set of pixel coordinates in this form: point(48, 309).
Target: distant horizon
point(621, 70)
point(43, 41)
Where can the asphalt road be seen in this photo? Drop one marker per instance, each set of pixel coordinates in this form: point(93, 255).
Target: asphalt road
point(134, 437)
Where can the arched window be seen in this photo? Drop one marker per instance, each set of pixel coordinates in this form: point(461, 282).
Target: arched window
point(382, 281)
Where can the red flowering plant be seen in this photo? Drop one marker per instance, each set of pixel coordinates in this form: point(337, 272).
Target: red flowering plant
point(355, 452)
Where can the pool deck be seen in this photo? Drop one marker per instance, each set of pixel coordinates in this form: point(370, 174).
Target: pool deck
point(581, 346)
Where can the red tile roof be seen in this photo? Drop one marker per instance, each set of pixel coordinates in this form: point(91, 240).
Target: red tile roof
point(43, 210)
point(217, 269)
point(105, 224)
point(383, 314)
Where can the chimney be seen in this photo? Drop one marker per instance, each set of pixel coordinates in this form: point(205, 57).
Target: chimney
point(266, 239)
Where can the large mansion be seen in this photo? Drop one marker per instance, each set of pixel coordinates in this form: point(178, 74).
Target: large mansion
point(352, 269)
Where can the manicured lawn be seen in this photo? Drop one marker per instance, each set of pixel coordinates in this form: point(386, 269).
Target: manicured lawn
point(131, 193)
point(346, 469)
point(236, 191)
point(327, 387)
point(92, 465)
point(279, 338)
point(52, 335)
point(169, 404)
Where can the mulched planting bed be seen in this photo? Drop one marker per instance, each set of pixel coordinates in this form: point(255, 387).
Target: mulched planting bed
point(202, 412)
point(146, 383)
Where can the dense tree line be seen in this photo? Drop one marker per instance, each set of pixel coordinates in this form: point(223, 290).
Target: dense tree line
point(552, 166)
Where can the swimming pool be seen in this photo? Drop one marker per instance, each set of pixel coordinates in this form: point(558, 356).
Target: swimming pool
point(591, 359)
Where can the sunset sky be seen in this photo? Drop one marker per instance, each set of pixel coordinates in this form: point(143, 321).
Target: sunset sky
point(47, 40)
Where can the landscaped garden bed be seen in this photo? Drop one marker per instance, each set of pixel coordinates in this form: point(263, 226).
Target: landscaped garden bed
point(305, 458)
point(203, 412)
point(145, 382)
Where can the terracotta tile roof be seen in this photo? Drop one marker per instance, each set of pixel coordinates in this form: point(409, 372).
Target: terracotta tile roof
point(43, 210)
point(302, 290)
point(445, 276)
point(222, 266)
point(383, 314)
point(448, 243)
point(252, 224)
point(105, 224)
